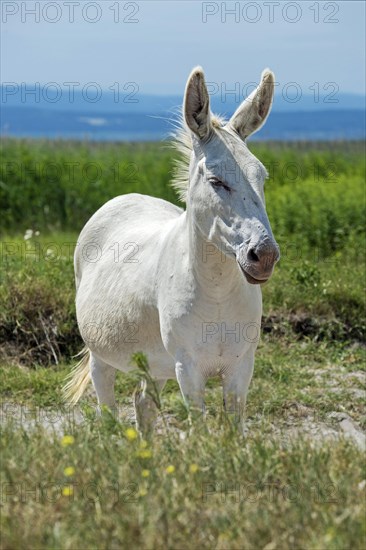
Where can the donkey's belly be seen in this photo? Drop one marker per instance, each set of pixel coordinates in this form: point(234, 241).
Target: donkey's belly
point(116, 337)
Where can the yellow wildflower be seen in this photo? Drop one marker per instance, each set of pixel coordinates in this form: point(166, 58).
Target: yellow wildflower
point(131, 434)
point(69, 471)
point(193, 468)
point(170, 469)
point(145, 453)
point(67, 440)
point(68, 491)
point(145, 473)
point(142, 492)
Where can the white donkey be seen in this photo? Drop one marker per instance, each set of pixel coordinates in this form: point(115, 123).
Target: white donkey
point(182, 286)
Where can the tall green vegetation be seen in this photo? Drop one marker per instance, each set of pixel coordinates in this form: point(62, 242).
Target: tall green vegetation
point(314, 195)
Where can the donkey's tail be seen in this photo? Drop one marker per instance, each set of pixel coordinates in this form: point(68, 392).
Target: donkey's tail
point(78, 378)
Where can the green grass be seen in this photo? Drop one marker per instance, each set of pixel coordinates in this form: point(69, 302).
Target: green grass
point(287, 484)
point(304, 373)
point(271, 489)
point(250, 494)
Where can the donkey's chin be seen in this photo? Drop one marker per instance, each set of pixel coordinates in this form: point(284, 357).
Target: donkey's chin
point(253, 280)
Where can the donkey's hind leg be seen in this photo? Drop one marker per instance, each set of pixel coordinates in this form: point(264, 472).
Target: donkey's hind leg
point(103, 378)
point(146, 404)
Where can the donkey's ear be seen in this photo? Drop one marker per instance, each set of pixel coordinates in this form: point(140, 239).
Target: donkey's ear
point(197, 104)
point(252, 113)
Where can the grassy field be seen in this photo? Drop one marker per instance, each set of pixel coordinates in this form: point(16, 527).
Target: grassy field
point(296, 481)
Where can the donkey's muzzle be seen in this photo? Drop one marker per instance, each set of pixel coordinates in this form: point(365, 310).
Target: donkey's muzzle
point(260, 261)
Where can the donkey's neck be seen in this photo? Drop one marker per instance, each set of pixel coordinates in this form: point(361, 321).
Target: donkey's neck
point(214, 271)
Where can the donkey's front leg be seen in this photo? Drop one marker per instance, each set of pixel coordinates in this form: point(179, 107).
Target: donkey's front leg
point(235, 386)
point(192, 385)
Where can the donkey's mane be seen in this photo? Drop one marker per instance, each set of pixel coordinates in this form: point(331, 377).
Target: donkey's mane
point(182, 143)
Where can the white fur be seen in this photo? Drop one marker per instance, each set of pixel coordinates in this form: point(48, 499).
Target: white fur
point(176, 288)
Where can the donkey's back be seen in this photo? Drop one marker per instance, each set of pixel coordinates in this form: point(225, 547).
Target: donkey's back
point(127, 220)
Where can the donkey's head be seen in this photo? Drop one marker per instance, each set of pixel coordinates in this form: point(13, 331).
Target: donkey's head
point(225, 196)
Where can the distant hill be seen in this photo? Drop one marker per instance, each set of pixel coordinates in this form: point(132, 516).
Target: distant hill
point(29, 121)
point(131, 101)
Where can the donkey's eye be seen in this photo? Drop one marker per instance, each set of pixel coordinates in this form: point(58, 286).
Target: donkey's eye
point(216, 183)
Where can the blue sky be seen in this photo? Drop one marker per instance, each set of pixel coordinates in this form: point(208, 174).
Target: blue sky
point(167, 39)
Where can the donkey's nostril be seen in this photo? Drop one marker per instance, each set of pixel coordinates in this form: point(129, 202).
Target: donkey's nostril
point(252, 256)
